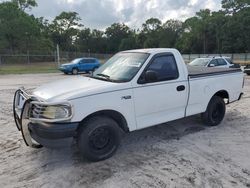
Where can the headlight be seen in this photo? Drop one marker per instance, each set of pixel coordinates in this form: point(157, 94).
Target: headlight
point(56, 112)
point(50, 112)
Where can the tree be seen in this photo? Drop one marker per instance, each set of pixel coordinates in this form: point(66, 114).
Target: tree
point(151, 25)
point(115, 33)
point(233, 6)
point(18, 29)
point(65, 28)
point(128, 43)
point(25, 4)
point(170, 33)
point(150, 33)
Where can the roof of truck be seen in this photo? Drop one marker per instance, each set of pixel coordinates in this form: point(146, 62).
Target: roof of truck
point(153, 50)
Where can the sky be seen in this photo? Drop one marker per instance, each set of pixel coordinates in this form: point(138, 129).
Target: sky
point(99, 14)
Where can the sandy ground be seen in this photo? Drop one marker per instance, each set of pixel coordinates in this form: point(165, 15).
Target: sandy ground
point(182, 153)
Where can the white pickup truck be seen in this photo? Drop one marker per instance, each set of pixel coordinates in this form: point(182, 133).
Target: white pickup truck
point(133, 90)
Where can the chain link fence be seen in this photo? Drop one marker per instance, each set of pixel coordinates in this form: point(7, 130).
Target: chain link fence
point(31, 57)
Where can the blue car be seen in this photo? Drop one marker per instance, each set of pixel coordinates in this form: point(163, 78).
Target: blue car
point(80, 65)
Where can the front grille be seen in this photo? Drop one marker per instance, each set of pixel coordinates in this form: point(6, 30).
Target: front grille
point(36, 110)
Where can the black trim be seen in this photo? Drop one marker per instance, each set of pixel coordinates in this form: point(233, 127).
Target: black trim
point(197, 72)
point(53, 130)
point(180, 88)
point(17, 120)
point(241, 94)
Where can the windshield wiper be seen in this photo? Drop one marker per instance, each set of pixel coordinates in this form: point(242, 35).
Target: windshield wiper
point(103, 75)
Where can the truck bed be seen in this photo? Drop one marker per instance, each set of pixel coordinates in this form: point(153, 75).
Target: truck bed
point(196, 72)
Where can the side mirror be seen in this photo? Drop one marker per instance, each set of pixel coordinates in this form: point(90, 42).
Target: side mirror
point(151, 76)
point(211, 65)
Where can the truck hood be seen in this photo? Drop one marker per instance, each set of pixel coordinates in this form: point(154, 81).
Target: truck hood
point(77, 86)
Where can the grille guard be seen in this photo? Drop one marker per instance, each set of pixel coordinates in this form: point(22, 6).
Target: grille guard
point(21, 117)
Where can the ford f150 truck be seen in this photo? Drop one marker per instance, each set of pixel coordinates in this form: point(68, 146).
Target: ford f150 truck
point(133, 90)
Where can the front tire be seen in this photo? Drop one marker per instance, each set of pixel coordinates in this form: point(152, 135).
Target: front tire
point(99, 138)
point(75, 71)
point(215, 111)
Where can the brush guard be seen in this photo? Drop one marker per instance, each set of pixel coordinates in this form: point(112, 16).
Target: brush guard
point(21, 111)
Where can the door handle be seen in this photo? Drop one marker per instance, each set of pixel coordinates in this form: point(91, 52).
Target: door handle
point(180, 88)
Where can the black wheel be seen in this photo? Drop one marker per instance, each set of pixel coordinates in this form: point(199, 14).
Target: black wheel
point(248, 74)
point(99, 138)
point(215, 111)
point(74, 71)
point(65, 73)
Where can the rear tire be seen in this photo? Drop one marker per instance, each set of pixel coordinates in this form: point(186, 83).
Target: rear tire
point(215, 111)
point(99, 138)
point(75, 71)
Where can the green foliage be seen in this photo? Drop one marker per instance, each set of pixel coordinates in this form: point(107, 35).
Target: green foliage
point(64, 30)
point(223, 31)
point(233, 6)
point(17, 28)
point(25, 4)
point(115, 33)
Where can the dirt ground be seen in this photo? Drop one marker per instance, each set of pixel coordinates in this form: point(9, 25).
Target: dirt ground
point(182, 153)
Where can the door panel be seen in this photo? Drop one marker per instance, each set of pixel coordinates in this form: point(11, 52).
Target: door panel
point(158, 103)
point(82, 65)
point(161, 100)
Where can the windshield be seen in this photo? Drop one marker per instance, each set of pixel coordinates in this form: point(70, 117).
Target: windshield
point(200, 62)
point(122, 67)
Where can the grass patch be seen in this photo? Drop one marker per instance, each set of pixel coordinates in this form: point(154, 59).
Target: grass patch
point(28, 68)
point(32, 68)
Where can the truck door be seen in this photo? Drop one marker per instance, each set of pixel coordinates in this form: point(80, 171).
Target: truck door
point(163, 99)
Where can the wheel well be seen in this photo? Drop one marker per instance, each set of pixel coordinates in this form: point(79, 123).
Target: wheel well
point(223, 94)
point(116, 116)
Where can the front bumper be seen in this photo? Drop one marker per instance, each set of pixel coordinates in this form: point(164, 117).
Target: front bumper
point(36, 134)
point(53, 134)
point(64, 70)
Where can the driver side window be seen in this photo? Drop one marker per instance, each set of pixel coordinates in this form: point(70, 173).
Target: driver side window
point(164, 67)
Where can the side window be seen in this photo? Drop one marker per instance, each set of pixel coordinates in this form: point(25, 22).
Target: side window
point(165, 68)
point(229, 61)
point(90, 60)
point(221, 62)
point(214, 62)
point(82, 62)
